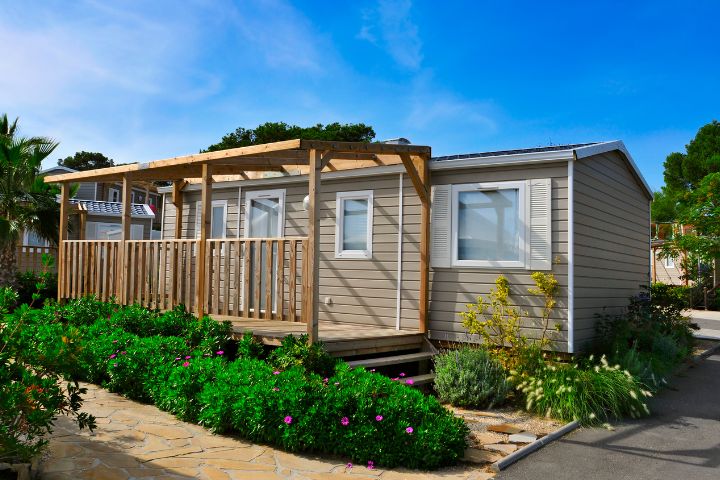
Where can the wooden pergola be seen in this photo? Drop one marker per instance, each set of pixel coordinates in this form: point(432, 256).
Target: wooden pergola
point(292, 157)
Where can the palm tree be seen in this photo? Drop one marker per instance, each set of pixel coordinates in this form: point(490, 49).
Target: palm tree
point(26, 202)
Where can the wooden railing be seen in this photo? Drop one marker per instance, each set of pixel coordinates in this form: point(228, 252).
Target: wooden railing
point(243, 276)
point(89, 267)
point(29, 257)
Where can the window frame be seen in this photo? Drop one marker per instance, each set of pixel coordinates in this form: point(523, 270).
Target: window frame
point(523, 213)
point(340, 199)
point(215, 203)
point(255, 194)
point(669, 262)
point(111, 191)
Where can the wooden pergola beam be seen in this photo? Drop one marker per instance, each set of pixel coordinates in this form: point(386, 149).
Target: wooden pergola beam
point(125, 235)
point(414, 167)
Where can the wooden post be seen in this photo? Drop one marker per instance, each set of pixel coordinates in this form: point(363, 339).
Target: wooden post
point(312, 282)
point(82, 217)
point(653, 269)
point(202, 260)
point(177, 200)
point(424, 173)
point(125, 235)
point(62, 236)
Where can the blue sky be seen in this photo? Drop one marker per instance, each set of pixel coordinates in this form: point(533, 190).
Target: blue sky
point(147, 80)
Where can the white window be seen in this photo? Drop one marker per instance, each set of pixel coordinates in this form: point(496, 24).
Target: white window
point(669, 262)
point(32, 239)
point(113, 195)
point(489, 224)
point(353, 226)
point(265, 214)
point(111, 231)
point(218, 219)
point(492, 225)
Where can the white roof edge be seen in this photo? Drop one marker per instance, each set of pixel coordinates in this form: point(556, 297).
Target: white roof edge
point(55, 167)
point(619, 145)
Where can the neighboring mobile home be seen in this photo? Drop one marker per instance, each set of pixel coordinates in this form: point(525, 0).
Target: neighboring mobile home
point(581, 212)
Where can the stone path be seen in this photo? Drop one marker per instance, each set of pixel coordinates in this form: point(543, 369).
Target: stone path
point(139, 441)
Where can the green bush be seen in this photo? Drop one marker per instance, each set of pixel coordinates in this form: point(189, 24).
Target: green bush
point(588, 393)
point(470, 377)
point(354, 413)
point(249, 347)
point(295, 351)
point(8, 299)
point(27, 287)
point(85, 310)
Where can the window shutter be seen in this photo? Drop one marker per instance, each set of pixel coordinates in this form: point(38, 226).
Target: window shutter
point(540, 224)
point(440, 226)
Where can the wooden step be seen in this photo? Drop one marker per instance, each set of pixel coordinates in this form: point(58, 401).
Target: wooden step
point(392, 360)
point(418, 380)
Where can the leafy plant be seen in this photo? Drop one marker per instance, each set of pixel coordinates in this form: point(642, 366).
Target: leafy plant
point(296, 351)
point(497, 323)
point(547, 286)
point(470, 377)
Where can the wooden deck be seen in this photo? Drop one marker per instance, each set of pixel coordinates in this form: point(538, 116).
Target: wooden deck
point(340, 339)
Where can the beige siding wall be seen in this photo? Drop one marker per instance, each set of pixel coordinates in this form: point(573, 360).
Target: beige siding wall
point(365, 291)
point(453, 288)
point(612, 240)
point(354, 291)
point(669, 275)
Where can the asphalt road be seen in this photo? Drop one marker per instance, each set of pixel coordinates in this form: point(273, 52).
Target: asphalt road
point(681, 440)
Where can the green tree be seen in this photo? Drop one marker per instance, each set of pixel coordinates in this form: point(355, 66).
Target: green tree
point(279, 131)
point(689, 197)
point(26, 202)
point(86, 161)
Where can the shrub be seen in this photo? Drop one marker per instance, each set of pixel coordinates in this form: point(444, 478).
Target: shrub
point(470, 377)
point(354, 413)
point(295, 351)
point(588, 393)
point(27, 287)
point(85, 310)
point(249, 347)
point(8, 299)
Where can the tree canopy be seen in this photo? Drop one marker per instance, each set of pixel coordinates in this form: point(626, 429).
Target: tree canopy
point(86, 161)
point(279, 131)
point(691, 195)
point(26, 202)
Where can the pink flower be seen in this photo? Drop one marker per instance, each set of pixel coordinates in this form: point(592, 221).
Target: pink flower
point(114, 364)
point(325, 380)
point(378, 418)
point(395, 379)
point(371, 465)
point(188, 357)
point(114, 341)
point(372, 369)
point(402, 374)
point(186, 364)
point(409, 381)
point(349, 465)
point(409, 430)
point(219, 352)
point(276, 372)
point(345, 421)
point(113, 356)
point(177, 358)
point(123, 353)
point(288, 420)
point(276, 389)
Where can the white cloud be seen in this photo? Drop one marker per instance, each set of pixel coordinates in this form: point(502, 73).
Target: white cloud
point(400, 35)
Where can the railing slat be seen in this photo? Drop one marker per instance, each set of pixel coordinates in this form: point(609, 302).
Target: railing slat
point(292, 282)
point(268, 279)
point(280, 280)
point(257, 245)
point(246, 279)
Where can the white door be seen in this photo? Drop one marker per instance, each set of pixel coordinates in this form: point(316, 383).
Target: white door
point(264, 218)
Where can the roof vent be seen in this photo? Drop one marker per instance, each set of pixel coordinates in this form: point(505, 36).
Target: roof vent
point(397, 141)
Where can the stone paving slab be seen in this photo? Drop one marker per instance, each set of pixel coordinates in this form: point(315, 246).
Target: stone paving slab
point(137, 441)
